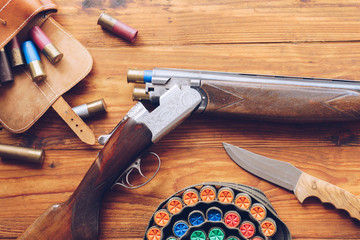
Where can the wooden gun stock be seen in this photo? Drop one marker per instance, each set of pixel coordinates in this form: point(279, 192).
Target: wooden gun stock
point(78, 217)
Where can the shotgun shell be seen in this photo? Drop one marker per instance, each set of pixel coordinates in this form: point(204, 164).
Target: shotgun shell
point(257, 238)
point(243, 201)
point(15, 54)
point(5, 70)
point(258, 211)
point(171, 238)
point(207, 193)
point(22, 154)
point(190, 197)
point(198, 235)
point(232, 219)
point(174, 205)
point(247, 229)
point(88, 110)
point(153, 233)
point(120, 29)
point(139, 76)
point(33, 60)
point(196, 218)
point(180, 228)
point(216, 234)
point(139, 93)
point(214, 214)
point(45, 45)
point(232, 238)
point(161, 218)
point(226, 195)
point(268, 227)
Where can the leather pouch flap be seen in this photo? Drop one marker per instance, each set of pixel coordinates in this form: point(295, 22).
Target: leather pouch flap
point(15, 14)
point(23, 102)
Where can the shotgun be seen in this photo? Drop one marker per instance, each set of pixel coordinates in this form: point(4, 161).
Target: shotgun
point(177, 94)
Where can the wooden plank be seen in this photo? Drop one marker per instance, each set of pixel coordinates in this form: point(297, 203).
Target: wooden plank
point(163, 22)
point(281, 37)
point(26, 193)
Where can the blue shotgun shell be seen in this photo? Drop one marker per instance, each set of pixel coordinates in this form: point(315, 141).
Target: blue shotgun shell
point(147, 76)
point(30, 52)
point(196, 218)
point(33, 60)
point(214, 214)
point(180, 228)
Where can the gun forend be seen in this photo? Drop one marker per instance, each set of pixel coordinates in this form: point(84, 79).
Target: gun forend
point(263, 97)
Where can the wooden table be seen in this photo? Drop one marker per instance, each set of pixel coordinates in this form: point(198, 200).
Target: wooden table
point(280, 37)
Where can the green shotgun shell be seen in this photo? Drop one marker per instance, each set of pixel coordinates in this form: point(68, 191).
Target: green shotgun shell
point(216, 234)
point(198, 235)
point(232, 238)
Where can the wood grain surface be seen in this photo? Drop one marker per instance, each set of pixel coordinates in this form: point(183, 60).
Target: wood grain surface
point(310, 38)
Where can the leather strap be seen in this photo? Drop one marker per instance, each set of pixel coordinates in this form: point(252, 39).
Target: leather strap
point(74, 121)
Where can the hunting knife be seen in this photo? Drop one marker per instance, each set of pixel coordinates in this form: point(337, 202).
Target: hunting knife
point(289, 177)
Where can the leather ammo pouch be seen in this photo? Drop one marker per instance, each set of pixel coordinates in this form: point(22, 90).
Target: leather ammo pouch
point(23, 102)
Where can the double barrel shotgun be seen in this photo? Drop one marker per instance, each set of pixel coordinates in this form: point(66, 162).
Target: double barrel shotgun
point(177, 94)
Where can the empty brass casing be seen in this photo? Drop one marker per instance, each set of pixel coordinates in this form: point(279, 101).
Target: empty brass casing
point(139, 93)
point(22, 154)
point(135, 76)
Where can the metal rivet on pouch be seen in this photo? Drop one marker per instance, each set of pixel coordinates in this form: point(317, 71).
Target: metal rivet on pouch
point(3, 21)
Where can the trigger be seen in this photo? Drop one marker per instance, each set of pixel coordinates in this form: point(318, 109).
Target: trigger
point(137, 164)
point(134, 165)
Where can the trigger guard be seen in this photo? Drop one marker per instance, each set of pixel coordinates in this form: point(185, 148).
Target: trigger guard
point(131, 168)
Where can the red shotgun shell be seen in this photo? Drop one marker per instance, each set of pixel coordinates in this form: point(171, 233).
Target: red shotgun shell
point(232, 219)
point(121, 29)
point(45, 45)
point(247, 229)
point(15, 54)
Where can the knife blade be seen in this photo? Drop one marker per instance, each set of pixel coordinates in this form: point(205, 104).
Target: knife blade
point(291, 178)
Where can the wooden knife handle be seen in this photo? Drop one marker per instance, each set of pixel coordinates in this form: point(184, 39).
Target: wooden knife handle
point(328, 193)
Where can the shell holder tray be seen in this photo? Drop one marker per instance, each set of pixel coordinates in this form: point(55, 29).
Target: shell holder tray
point(217, 211)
